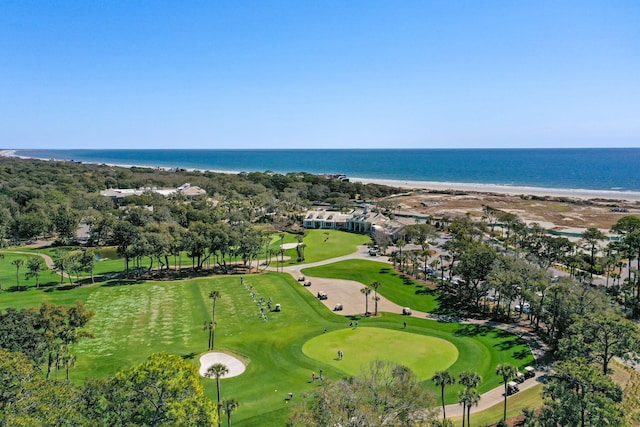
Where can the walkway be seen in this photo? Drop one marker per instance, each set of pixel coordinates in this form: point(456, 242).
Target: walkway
point(347, 293)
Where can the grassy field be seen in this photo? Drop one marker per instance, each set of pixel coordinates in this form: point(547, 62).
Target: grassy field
point(9, 279)
point(400, 289)
point(135, 319)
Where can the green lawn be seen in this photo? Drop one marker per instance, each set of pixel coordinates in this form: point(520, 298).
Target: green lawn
point(326, 244)
point(133, 321)
point(9, 279)
point(362, 346)
point(401, 289)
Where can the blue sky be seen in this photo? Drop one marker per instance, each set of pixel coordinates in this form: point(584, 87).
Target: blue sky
point(329, 74)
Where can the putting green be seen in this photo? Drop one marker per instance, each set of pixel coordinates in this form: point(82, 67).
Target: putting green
point(424, 355)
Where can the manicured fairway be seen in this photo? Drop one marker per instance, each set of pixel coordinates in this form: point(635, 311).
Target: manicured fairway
point(135, 320)
point(423, 354)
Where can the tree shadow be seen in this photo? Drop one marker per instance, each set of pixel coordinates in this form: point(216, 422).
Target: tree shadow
point(16, 289)
point(188, 356)
point(522, 354)
point(508, 344)
point(67, 287)
point(423, 290)
point(122, 282)
point(472, 331)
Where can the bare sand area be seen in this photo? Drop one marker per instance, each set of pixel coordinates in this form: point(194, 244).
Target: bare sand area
point(557, 209)
point(234, 365)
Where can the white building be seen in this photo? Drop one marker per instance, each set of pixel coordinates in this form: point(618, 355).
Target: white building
point(357, 221)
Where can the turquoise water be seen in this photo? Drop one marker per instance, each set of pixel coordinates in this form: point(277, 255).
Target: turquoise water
point(591, 169)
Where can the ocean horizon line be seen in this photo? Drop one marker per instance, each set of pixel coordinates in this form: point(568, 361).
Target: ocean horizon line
point(408, 184)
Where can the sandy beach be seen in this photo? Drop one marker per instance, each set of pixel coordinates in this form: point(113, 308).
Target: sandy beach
point(505, 189)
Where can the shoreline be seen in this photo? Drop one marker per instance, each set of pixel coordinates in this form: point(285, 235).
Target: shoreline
point(583, 194)
point(508, 190)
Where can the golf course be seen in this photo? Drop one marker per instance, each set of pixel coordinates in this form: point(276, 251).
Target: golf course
point(279, 349)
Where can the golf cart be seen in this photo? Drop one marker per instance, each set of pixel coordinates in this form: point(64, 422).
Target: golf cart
point(406, 311)
point(512, 388)
point(338, 307)
point(322, 295)
point(529, 372)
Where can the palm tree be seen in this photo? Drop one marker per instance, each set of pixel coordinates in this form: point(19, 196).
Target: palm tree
point(508, 372)
point(469, 379)
point(217, 371)
point(1, 257)
point(208, 326)
point(282, 235)
point(35, 266)
point(228, 406)
point(214, 295)
point(443, 379)
point(468, 397)
point(366, 291)
point(18, 263)
point(375, 286)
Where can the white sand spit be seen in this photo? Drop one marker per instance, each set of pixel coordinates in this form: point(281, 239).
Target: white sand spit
point(235, 366)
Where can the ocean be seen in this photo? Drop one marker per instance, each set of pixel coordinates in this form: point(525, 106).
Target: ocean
point(600, 169)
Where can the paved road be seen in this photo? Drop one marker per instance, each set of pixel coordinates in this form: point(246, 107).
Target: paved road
point(347, 293)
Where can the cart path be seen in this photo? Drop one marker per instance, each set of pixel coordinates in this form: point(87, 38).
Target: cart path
point(347, 293)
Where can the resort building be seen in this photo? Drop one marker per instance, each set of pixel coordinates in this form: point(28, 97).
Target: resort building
point(119, 194)
point(357, 221)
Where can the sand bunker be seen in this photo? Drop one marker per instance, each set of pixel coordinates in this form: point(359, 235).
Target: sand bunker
point(289, 245)
point(235, 366)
